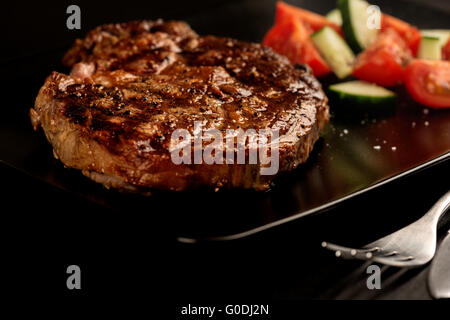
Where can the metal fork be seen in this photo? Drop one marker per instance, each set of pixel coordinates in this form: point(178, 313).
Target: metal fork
point(412, 246)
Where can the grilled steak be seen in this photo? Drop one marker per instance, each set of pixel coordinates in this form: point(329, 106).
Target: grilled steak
point(132, 84)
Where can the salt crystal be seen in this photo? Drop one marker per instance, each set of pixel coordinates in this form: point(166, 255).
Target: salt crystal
point(377, 147)
point(426, 123)
point(394, 148)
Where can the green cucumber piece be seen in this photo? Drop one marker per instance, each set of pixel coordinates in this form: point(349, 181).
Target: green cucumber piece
point(361, 93)
point(335, 16)
point(354, 24)
point(334, 50)
point(430, 48)
point(442, 34)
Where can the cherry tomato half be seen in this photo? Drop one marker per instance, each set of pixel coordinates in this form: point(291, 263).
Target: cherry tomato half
point(428, 82)
point(290, 37)
point(383, 62)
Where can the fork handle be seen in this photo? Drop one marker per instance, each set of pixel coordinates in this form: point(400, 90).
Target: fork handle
point(438, 209)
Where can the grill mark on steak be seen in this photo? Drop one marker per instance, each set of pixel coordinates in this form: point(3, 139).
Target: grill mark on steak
point(133, 83)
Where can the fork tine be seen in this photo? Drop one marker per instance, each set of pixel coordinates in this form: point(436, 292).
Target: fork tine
point(389, 254)
point(411, 246)
point(375, 254)
point(408, 258)
point(396, 260)
point(351, 253)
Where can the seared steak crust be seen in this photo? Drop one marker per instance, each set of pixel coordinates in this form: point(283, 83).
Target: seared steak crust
point(133, 84)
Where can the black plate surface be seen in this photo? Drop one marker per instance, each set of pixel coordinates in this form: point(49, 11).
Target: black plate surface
point(344, 162)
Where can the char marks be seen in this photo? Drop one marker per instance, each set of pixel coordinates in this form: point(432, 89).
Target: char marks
point(132, 84)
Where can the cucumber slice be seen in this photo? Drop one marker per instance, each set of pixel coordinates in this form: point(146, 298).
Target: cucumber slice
point(335, 16)
point(335, 51)
point(430, 48)
point(362, 93)
point(442, 34)
point(355, 24)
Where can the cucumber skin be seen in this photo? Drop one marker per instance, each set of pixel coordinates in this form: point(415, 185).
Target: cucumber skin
point(347, 28)
point(433, 33)
point(324, 56)
point(358, 104)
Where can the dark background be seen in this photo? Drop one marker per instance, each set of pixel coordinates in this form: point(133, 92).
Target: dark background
point(39, 25)
point(44, 230)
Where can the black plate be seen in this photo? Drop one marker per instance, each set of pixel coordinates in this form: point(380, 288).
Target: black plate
point(344, 162)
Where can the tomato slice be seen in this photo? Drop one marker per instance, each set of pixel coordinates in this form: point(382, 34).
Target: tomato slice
point(428, 82)
point(290, 37)
point(383, 62)
point(312, 20)
point(446, 51)
point(410, 34)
